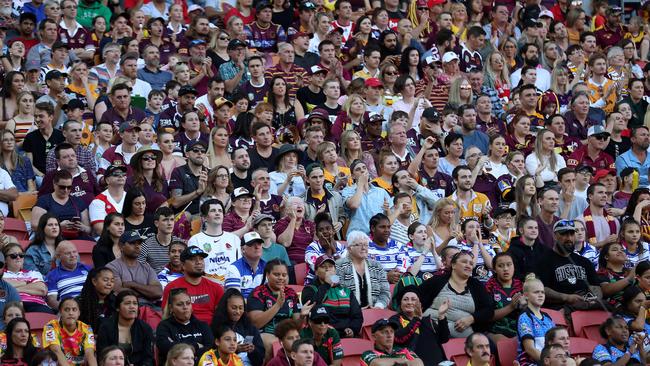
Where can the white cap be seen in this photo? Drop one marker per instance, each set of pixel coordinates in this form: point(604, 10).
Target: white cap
point(193, 7)
point(546, 13)
point(449, 57)
point(252, 237)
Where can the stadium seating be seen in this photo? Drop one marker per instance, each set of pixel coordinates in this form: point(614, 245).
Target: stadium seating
point(301, 271)
point(370, 316)
point(37, 322)
point(85, 248)
point(556, 315)
point(581, 347)
point(16, 227)
point(507, 349)
point(353, 348)
point(586, 323)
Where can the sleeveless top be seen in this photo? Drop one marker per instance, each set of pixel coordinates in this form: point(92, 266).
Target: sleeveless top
point(22, 129)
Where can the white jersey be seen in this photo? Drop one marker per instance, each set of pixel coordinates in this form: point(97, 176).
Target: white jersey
point(223, 250)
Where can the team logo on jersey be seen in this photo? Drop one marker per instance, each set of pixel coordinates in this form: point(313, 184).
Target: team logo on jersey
point(207, 247)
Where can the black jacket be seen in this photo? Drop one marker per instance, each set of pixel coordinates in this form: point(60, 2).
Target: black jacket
point(171, 332)
point(427, 343)
point(483, 302)
point(342, 317)
point(525, 258)
point(141, 352)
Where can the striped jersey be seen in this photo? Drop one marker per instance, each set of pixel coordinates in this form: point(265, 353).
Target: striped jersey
point(390, 257)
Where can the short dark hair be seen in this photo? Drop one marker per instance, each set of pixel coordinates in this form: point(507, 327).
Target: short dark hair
point(61, 146)
point(163, 211)
point(205, 206)
point(324, 43)
point(45, 107)
point(522, 222)
point(634, 130)
point(218, 79)
point(456, 171)
point(258, 126)
point(375, 220)
point(59, 175)
point(469, 342)
point(592, 188)
point(584, 35)
point(302, 341)
point(120, 86)
point(465, 107)
point(563, 172)
point(452, 137)
point(475, 31)
point(129, 56)
point(546, 351)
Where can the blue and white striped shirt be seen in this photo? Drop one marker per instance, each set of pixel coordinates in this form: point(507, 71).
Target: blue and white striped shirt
point(242, 277)
point(64, 284)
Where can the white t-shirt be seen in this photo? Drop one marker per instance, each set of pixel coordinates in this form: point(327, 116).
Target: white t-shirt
point(222, 250)
point(141, 88)
point(5, 183)
point(104, 204)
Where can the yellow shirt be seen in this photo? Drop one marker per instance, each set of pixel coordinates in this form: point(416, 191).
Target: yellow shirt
point(74, 344)
point(596, 92)
point(210, 358)
point(477, 204)
point(329, 177)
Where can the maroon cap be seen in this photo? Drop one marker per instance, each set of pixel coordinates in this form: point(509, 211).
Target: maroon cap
point(322, 259)
point(318, 113)
point(298, 34)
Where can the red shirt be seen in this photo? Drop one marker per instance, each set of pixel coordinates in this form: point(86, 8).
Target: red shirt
point(580, 157)
point(205, 296)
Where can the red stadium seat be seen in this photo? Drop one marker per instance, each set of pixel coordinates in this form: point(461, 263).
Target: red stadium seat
point(556, 315)
point(586, 323)
point(16, 227)
point(37, 322)
point(507, 351)
point(24, 244)
point(455, 352)
point(581, 346)
point(150, 316)
point(85, 248)
point(353, 348)
point(301, 273)
point(370, 316)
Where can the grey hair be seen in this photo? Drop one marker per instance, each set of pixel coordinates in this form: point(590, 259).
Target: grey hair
point(356, 235)
point(282, 46)
point(614, 51)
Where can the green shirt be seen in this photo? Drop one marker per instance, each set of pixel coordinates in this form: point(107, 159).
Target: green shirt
point(86, 13)
point(275, 251)
point(330, 348)
point(369, 356)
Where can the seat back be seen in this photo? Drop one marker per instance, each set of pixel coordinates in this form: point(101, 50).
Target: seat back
point(584, 322)
point(16, 227)
point(300, 270)
point(353, 348)
point(581, 346)
point(370, 316)
point(557, 316)
point(85, 249)
point(507, 351)
point(22, 206)
point(37, 322)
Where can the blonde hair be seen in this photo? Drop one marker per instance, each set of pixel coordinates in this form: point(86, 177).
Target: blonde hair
point(322, 147)
point(346, 136)
point(348, 103)
point(454, 92)
point(442, 204)
point(531, 281)
point(552, 160)
point(176, 351)
point(504, 76)
point(212, 156)
point(554, 75)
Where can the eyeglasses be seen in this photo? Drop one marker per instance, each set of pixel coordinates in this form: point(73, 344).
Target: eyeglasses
point(359, 246)
point(601, 137)
point(148, 158)
point(118, 174)
point(224, 38)
point(16, 255)
point(629, 48)
point(198, 151)
point(387, 73)
point(222, 176)
point(65, 188)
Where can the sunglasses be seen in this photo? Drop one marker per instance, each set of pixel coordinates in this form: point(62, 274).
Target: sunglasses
point(65, 188)
point(390, 73)
point(148, 158)
point(118, 174)
point(224, 39)
point(198, 151)
point(16, 255)
point(465, 87)
point(601, 137)
point(320, 321)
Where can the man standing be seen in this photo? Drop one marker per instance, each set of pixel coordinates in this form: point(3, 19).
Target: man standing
point(72, 134)
point(602, 91)
point(363, 199)
point(38, 143)
point(567, 276)
point(472, 136)
point(188, 182)
point(74, 34)
point(526, 249)
point(241, 173)
point(570, 206)
point(42, 52)
point(262, 34)
point(636, 157)
point(133, 275)
point(300, 43)
point(600, 227)
point(129, 68)
point(204, 294)
point(206, 102)
point(425, 168)
point(103, 73)
point(618, 144)
point(384, 352)
point(151, 72)
point(234, 72)
point(247, 272)
point(155, 249)
point(222, 248)
point(477, 347)
point(122, 111)
point(492, 116)
point(292, 74)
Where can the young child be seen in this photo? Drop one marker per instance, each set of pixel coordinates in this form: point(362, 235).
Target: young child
point(533, 323)
point(171, 91)
point(636, 250)
point(103, 136)
point(154, 105)
point(583, 248)
point(225, 353)
point(507, 294)
point(503, 232)
point(74, 111)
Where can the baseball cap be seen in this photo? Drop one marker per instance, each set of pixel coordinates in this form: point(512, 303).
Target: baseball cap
point(130, 237)
point(319, 313)
point(307, 5)
point(221, 101)
point(336, 29)
point(298, 34)
point(502, 209)
point(194, 7)
point(602, 173)
point(128, 126)
point(73, 104)
point(241, 192)
point(32, 65)
point(597, 130)
point(251, 238)
point(614, 10)
point(546, 13)
point(318, 113)
point(113, 168)
point(196, 42)
point(383, 323)
point(530, 23)
point(54, 74)
point(315, 70)
point(192, 251)
point(193, 143)
point(322, 259)
point(186, 89)
point(261, 217)
point(235, 43)
point(431, 114)
point(627, 171)
point(563, 226)
point(373, 83)
point(375, 117)
point(449, 57)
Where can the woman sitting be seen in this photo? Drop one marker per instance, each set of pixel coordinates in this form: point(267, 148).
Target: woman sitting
point(41, 250)
point(29, 284)
point(68, 337)
point(325, 243)
point(273, 301)
point(20, 348)
point(342, 306)
point(181, 354)
point(147, 176)
point(112, 356)
point(365, 277)
point(107, 248)
point(294, 231)
point(288, 178)
point(231, 311)
point(633, 310)
point(137, 215)
point(97, 300)
point(620, 348)
point(424, 335)
point(125, 329)
point(13, 310)
point(180, 325)
point(613, 274)
point(473, 306)
point(16, 164)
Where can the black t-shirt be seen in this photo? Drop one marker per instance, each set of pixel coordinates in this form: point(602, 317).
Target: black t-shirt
point(333, 112)
point(568, 275)
point(146, 229)
point(615, 148)
point(258, 161)
point(308, 99)
point(35, 144)
point(245, 183)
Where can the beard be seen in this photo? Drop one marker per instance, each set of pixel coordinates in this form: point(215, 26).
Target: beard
point(534, 61)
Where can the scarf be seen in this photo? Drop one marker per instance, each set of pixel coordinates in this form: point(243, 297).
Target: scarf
point(591, 229)
point(357, 285)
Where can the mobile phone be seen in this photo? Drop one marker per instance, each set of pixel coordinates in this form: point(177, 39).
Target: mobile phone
point(76, 219)
point(248, 339)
